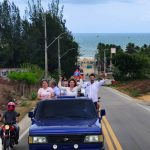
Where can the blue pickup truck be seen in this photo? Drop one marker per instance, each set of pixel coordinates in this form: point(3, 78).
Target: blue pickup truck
point(66, 124)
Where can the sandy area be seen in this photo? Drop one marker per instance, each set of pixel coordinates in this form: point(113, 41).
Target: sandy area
point(145, 98)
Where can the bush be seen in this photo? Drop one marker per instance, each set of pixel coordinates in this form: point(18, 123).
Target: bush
point(24, 103)
point(33, 95)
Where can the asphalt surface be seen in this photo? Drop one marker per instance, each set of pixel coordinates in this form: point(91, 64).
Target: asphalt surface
point(129, 118)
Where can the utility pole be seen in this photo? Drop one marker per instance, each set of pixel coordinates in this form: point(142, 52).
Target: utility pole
point(110, 61)
point(46, 63)
point(104, 62)
point(59, 64)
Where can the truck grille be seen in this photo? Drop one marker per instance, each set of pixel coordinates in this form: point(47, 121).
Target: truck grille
point(66, 139)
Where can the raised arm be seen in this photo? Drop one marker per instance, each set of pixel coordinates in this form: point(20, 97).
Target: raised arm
point(102, 82)
point(80, 84)
point(60, 86)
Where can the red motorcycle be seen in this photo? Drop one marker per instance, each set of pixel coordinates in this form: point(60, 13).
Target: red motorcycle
point(8, 136)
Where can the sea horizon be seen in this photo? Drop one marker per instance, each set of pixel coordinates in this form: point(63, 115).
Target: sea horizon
point(88, 41)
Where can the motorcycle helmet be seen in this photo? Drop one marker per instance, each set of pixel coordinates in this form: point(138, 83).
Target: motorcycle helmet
point(11, 106)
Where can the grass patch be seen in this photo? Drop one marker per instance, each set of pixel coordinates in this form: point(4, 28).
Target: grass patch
point(24, 103)
point(24, 107)
point(132, 92)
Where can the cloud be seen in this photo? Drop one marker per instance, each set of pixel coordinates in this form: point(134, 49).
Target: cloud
point(146, 17)
point(93, 1)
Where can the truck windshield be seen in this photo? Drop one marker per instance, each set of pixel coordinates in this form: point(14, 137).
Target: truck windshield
point(74, 109)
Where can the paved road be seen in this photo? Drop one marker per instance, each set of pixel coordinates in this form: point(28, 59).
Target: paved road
point(129, 119)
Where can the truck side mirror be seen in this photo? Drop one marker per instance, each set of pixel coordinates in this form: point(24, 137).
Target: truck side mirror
point(103, 112)
point(30, 114)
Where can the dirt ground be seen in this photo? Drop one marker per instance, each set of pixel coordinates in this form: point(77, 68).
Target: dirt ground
point(7, 93)
point(139, 89)
point(145, 98)
point(23, 110)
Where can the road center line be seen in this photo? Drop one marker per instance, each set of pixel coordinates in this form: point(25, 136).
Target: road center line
point(108, 140)
point(112, 134)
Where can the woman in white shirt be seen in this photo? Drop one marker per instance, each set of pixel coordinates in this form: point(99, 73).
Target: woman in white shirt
point(72, 89)
point(45, 92)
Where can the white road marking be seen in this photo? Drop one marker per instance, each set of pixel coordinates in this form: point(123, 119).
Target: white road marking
point(121, 94)
point(128, 98)
point(1, 146)
point(143, 107)
point(23, 134)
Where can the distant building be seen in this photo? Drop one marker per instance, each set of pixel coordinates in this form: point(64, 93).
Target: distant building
point(4, 71)
point(87, 64)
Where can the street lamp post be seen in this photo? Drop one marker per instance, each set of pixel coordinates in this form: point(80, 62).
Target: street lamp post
point(104, 61)
point(59, 64)
point(46, 62)
point(59, 57)
point(46, 47)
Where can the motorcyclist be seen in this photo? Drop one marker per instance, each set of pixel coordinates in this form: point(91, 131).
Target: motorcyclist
point(11, 116)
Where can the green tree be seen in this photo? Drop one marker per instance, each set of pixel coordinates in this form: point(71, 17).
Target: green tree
point(132, 49)
point(107, 48)
point(28, 75)
point(131, 66)
point(10, 34)
point(145, 50)
point(22, 40)
point(55, 25)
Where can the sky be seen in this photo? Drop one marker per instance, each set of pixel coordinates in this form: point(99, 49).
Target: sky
point(103, 16)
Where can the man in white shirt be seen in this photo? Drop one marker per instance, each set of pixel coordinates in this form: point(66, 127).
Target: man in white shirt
point(92, 88)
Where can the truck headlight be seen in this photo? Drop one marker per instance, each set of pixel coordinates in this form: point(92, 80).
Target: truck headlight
point(37, 139)
point(93, 138)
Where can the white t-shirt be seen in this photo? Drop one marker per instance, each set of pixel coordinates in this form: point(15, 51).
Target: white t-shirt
point(45, 93)
point(71, 92)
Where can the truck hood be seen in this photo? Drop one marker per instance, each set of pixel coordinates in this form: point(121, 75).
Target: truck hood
point(65, 126)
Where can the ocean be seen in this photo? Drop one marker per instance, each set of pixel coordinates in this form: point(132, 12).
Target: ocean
point(88, 41)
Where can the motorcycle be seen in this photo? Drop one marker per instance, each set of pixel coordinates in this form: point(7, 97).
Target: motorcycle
point(8, 136)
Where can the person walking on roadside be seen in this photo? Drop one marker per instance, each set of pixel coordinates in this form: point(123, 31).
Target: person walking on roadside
point(56, 89)
point(45, 92)
point(92, 88)
point(72, 89)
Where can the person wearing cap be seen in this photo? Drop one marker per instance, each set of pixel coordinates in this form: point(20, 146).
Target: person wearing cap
point(45, 92)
